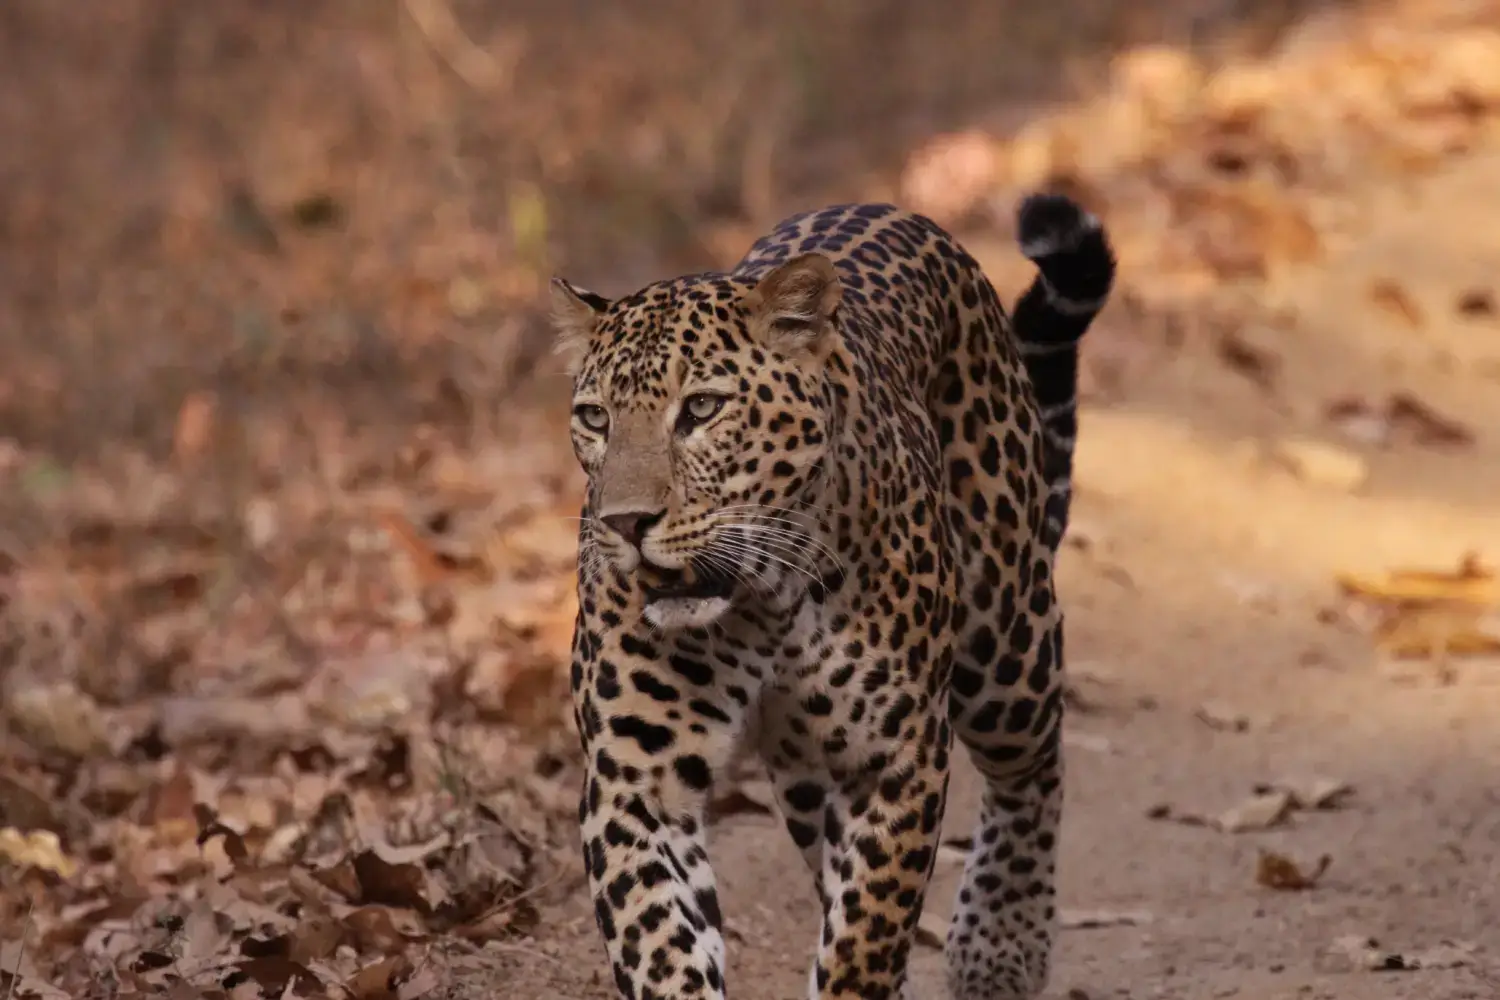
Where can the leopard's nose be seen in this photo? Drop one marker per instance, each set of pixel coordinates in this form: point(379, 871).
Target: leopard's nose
point(632, 525)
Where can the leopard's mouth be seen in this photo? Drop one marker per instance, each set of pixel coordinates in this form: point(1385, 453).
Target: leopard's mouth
point(698, 582)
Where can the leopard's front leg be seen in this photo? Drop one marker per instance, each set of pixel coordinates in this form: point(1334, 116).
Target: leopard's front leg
point(859, 753)
point(658, 719)
point(882, 832)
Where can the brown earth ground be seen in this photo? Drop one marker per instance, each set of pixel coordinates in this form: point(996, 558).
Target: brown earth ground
point(286, 606)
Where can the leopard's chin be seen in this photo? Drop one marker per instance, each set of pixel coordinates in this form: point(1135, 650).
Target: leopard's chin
point(676, 613)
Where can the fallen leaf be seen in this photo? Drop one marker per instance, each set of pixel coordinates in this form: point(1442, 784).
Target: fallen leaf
point(339, 878)
point(380, 980)
point(410, 854)
point(36, 849)
point(1472, 582)
point(515, 919)
point(188, 719)
point(19, 976)
point(170, 592)
point(374, 930)
point(1393, 299)
point(209, 828)
point(1216, 715)
point(59, 716)
point(952, 854)
point(1402, 415)
point(1312, 793)
point(380, 881)
point(1091, 742)
point(319, 210)
point(246, 219)
point(1263, 810)
point(745, 799)
point(1269, 805)
point(1321, 464)
point(203, 935)
point(1243, 230)
point(374, 691)
point(314, 939)
point(1425, 424)
point(1251, 360)
point(1476, 303)
point(1438, 632)
point(1360, 421)
point(195, 426)
point(172, 807)
point(544, 540)
point(432, 566)
point(1276, 871)
point(1448, 955)
point(932, 930)
point(423, 982)
point(1259, 812)
point(1078, 920)
point(275, 975)
point(518, 687)
point(25, 807)
point(1425, 614)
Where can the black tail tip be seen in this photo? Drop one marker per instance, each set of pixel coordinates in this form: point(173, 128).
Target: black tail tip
point(1048, 224)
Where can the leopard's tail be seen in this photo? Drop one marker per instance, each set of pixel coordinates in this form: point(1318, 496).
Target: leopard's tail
point(1076, 268)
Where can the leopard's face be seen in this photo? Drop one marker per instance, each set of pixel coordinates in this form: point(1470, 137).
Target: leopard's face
point(700, 428)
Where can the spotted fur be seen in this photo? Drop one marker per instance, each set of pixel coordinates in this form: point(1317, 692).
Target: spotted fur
point(826, 491)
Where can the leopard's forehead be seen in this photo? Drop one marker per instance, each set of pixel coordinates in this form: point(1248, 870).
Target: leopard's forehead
point(653, 340)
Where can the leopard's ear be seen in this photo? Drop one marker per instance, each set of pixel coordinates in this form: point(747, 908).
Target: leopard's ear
point(575, 317)
point(792, 307)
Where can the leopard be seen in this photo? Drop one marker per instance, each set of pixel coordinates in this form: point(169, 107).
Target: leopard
point(825, 496)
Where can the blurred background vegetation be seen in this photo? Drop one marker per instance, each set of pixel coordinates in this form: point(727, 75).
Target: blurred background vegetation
point(357, 200)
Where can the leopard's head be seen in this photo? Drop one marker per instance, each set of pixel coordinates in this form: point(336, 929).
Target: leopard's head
point(701, 414)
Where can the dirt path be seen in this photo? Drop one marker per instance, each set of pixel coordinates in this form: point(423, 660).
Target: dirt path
point(1197, 576)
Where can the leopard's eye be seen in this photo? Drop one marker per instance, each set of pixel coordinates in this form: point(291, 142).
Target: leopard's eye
point(702, 407)
point(592, 416)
